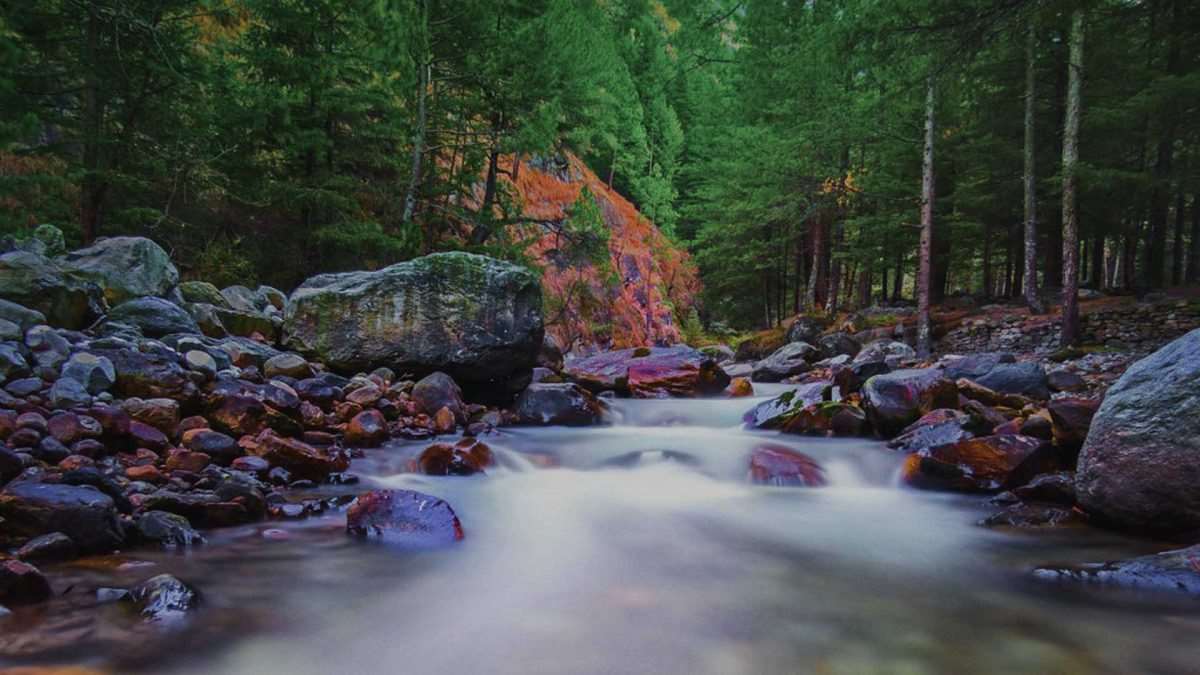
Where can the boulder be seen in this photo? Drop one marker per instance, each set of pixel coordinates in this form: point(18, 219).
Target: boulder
point(1177, 570)
point(154, 317)
point(777, 412)
point(649, 372)
point(164, 599)
point(475, 318)
point(83, 513)
point(41, 284)
point(465, 458)
point(246, 324)
point(95, 373)
point(22, 316)
point(975, 366)
point(888, 351)
point(403, 517)
point(1025, 379)
point(986, 464)
point(22, 584)
point(1140, 464)
point(1065, 381)
point(52, 547)
point(791, 359)
point(550, 355)
point(169, 530)
point(297, 457)
point(836, 344)
point(124, 268)
point(897, 399)
point(242, 299)
point(1071, 418)
point(943, 426)
point(1053, 488)
point(368, 429)
point(780, 466)
point(558, 404)
point(202, 292)
point(436, 391)
point(806, 329)
point(287, 365)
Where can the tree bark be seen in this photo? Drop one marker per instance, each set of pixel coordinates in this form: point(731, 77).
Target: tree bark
point(1177, 252)
point(816, 277)
point(418, 150)
point(987, 261)
point(93, 188)
point(898, 279)
point(1097, 274)
point(925, 271)
point(835, 272)
point(1193, 266)
point(1030, 274)
point(1070, 311)
point(1160, 196)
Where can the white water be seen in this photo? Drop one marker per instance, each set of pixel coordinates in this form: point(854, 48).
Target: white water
point(643, 549)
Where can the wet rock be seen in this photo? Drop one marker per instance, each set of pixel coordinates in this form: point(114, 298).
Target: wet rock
point(203, 508)
point(895, 400)
point(95, 373)
point(986, 464)
point(1177, 570)
point(465, 458)
point(1053, 488)
point(69, 427)
point(299, 458)
point(887, 351)
point(38, 283)
point(437, 391)
point(443, 422)
point(850, 377)
point(403, 517)
point(650, 372)
point(780, 466)
point(831, 418)
point(475, 318)
point(791, 359)
point(558, 404)
point(51, 547)
point(147, 473)
point(943, 426)
point(22, 584)
point(1033, 516)
point(223, 449)
point(11, 465)
point(12, 363)
point(164, 598)
point(1140, 464)
point(836, 344)
point(51, 451)
point(125, 268)
point(776, 412)
point(202, 292)
point(287, 365)
point(147, 374)
point(1025, 379)
point(1065, 381)
point(1071, 420)
point(169, 530)
point(186, 460)
point(368, 429)
point(83, 513)
point(740, 387)
point(68, 393)
point(154, 317)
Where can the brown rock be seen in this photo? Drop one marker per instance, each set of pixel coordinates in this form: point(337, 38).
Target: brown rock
point(368, 429)
point(72, 462)
point(977, 392)
point(443, 421)
point(986, 464)
point(145, 472)
point(464, 458)
point(160, 413)
point(740, 387)
point(22, 584)
point(146, 436)
point(300, 459)
point(365, 396)
point(1072, 419)
point(780, 466)
point(187, 460)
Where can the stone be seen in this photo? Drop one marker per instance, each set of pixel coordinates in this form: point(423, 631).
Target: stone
point(985, 464)
point(740, 387)
point(221, 448)
point(146, 374)
point(40, 284)
point(943, 426)
point(146, 436)
point(976, 366)
point(1071, 419)
point(51, 547)
point(895, 400)
point(22, 316)
point(22, 584)
point(124, 268)
point(160, 413)
point(287, 365)
point(83, 513)
point(836, 344)
point(297, 457)
point(1065, 381)
point(251, 464)
point(558, 404)
point(51, 451)
point(368, 429)
point(403, 517)
point(1140, 464)
point(25, 386)
point(68, 393)
point(776, 412)
point(436, 391)
point(475, 318)
point(202, 292)
point(201, 362)
point(1025, 379)
point(806, 329)
point(885, 350)
point(95, 373)
point(794, 358)
point(550, 355)
point(1033, 516)
point(203, 508)
point(147, 473)
point(977, 392)
point(367, 396)
point(465, 458)
point(12, 363)
point(247, 324)
point(1177, 570)
point(164, 599)
point(169, 530)
point(206, 317)
point(10, 331)
point(11, 465)
point(154, 317)
point(1053, 488)
point(649, 372)
point(443, 421)
point(186, 460)
point(780, 466)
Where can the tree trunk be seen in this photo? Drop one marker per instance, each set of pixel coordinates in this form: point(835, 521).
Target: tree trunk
point(898, 279)
point(1193, 266)
point(1053, 262)
point(864, 287)
point(93, 188)
point(1097, 275)
point(987, 260)
point(1177, 252)
point(1030, 273)
point(483, 229)
point(925, 271)
point(816, 277)
point(1160, 196)
point(835, 272)
point(1070, 311)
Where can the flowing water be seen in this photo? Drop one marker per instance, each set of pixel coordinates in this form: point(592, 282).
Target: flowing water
point(641, 547)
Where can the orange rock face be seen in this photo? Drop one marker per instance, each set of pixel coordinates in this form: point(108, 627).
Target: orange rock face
point(984, 464)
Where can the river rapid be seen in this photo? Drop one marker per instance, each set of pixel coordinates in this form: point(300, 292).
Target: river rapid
point(641, 547)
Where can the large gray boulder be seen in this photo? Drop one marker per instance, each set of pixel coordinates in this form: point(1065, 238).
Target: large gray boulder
point(1140, 465)
point(125, 268)
point(154, 317)
point(791, 359)
point(895, 400)
point(475, 318)
point(39, 283)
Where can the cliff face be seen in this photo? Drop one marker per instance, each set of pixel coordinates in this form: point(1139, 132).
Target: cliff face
point(636, 297)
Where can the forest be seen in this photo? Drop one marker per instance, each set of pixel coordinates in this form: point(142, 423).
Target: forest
point(810, 155)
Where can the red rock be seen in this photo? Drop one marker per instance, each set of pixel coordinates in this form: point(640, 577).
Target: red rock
point(464, 458)
point(311, 416)
point(141, 457)
point(404, 517)
point(739, 388)
point(73, 462)
point(1008, 428)
point(650, 372)
point(160, 413)
point(365, 396)
point(436, 391)
point(193, 422)
point(145, 472)
point(986, 464)
point(69, 427)
point(443, 421)
point(777, 465)
point(113, 421)
point(187, 460)
point(368, 429)
point(345, 410)
point(300, 459)
point(1072, 418)
point(146, 436)
point(251, 464)
point(22, 584)
point(239, 415)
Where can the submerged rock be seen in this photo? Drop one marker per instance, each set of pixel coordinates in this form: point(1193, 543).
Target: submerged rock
point(1140, 465)
point(164, 598)
point(780, 466)
point(1031, 516)
point(22, 584)
point(1177, 570)
point(404, 517)
point(475, 318)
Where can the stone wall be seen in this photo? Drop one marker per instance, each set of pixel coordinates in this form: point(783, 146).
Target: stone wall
point(1138, 327)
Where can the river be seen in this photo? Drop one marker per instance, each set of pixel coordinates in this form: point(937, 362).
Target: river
point(640, 547)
